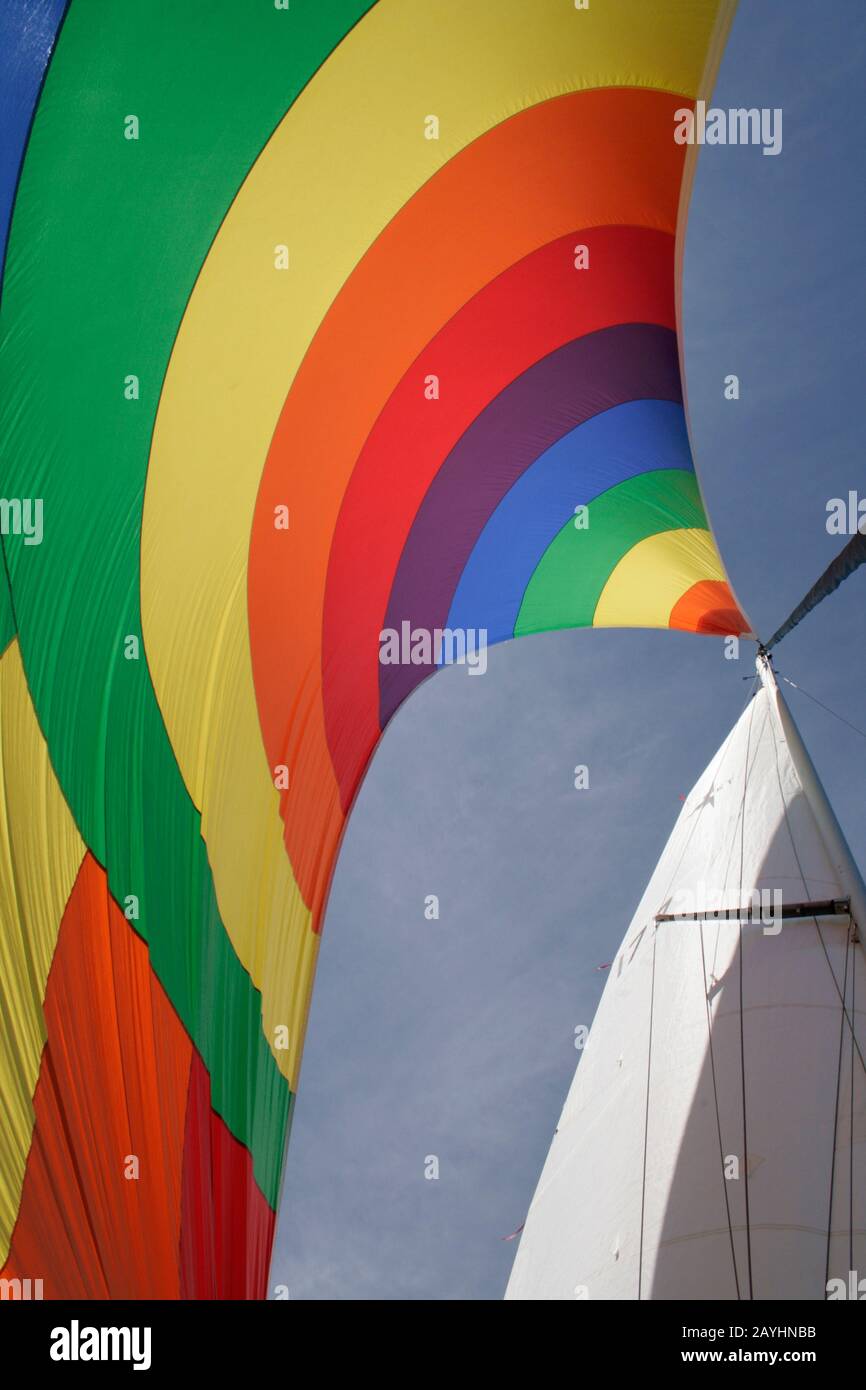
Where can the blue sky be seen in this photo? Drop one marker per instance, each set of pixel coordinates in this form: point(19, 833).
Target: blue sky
point(455, 1037)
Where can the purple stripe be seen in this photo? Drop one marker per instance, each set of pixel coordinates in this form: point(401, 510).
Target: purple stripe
point(633, 361)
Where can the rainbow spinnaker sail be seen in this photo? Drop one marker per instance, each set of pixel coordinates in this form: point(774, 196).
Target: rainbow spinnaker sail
point(317, 320)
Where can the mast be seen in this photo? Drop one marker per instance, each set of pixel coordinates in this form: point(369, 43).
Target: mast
point(831, 832)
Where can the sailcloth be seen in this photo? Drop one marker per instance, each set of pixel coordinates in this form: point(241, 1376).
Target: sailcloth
point(712, 1142)
point(336, 340)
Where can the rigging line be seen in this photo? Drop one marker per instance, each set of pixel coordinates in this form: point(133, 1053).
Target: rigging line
point(646, 1115)
point(742, 1028)
point(745, 1131)
point(718, 1117)
point(851, 1117)
point(725, 753)
point(816, 701)
point(852, 931)
point(674, 872)
point(851, 1021)
point(739, 825)
point(836, 1110)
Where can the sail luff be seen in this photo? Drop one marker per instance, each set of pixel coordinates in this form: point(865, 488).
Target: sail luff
point(825, 817)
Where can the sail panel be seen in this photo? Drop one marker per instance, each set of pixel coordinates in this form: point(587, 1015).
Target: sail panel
point(713, 1118)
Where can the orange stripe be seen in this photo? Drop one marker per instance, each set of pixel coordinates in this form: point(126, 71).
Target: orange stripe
point(113, 1082)
point(590, 158)
point(708, 607)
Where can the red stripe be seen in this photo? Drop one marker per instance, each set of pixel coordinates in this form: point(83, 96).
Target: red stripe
point(120, 1077)
point(112, 1083)
point(227, 1228)
point(588, 158)
point(530, 310)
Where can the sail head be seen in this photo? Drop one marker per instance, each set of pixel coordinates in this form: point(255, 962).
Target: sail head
point(713, 1142)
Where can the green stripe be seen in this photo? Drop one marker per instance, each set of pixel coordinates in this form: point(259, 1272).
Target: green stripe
point(567, 583)
point(106, 242)
point(7, 612)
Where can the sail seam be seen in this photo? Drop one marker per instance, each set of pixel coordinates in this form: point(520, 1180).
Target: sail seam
point(843, 1018)
point(646, 1116)
point(742, 1029)
point(836, 1109)
point(718, 1115)
point(851, 1117)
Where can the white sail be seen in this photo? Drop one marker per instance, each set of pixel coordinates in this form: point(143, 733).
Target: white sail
point(712, 1142)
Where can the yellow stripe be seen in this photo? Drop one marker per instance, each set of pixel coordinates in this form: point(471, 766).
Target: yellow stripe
point(260, 905)
point(40, 855)
point(347, 156)
point(651, 577)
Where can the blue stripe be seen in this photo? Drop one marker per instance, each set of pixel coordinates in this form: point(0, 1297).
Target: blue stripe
point(27, 32)
point(628, 439)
